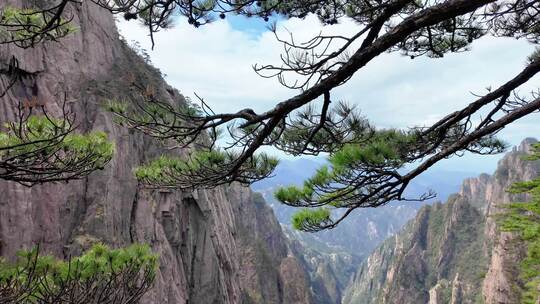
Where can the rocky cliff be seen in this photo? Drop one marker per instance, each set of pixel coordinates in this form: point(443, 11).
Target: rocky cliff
point(332, 256)
point(501, 281)
point(330, 267)
point(215, 246)
point(452, 252)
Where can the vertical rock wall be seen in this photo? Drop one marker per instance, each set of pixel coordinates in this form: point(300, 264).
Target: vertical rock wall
point(206, 239)
point(501, 281)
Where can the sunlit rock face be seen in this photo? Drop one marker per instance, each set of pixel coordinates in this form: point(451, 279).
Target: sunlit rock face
point(452, 252)
point(215, 246)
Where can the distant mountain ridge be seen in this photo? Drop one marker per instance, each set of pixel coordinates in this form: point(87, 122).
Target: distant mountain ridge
point(452, 252)
point(365, 228)
point(331, 257)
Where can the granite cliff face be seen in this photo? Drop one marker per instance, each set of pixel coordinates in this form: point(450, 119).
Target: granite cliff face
point(330, 268)
point(216, 246)
point(331, 257)
point(452, 252)
point(500, 283)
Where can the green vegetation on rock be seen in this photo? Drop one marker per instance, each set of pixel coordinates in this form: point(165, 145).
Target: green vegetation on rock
point(101, 275)
point(183, 173)
point(43, 149)
point(306, 218)
point(38, 133)
point(25, 26)
point(524, 219)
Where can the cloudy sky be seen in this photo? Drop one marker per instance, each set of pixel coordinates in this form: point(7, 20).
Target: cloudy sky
point(215, 61)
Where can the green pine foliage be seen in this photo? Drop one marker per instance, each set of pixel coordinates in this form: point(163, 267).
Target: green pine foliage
point(384, 151)
point(307, 218)
point(367, 174)
point(25, 27)
point(43, 149)
point(101, 275)
point(524, 219)
point(175, 172)
point(39, 131)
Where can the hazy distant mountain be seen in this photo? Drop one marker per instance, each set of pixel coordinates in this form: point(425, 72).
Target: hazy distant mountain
point(365, 229)
point(331, 257)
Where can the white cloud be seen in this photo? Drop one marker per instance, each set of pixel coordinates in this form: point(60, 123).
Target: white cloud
point(216, 61)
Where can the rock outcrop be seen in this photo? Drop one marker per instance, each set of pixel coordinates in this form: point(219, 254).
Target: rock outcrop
point(332, 256)
point(452, 252)
point(215, 246)
point(501, 281)
point(330, 268)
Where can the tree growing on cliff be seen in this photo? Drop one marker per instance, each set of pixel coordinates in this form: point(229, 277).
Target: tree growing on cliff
point(37, 147)
point(367, 164)
point(101, 275)
point(524, 219)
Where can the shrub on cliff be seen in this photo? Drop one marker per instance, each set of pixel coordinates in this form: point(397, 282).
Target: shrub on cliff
point(524, 219)
point(101, 275)
point(40, 149)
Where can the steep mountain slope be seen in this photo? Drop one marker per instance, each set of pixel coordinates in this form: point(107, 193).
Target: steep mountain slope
point(452, 252)
point(269, 271)
point(365, 229)
point(215, 246)
point(331, 257)
point(441, 245)
point(502, 277)
point(330, 268)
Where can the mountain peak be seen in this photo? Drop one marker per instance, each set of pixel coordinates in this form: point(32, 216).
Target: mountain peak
point(525, 145)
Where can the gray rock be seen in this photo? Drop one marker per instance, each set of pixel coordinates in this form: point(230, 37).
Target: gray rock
point(205, 239)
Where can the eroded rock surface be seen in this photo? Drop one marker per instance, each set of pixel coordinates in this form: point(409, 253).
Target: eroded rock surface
point(452, 252)
point(216, 246)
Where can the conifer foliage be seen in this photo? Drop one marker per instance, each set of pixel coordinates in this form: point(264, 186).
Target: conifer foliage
point(39, 149)
point(101, 275)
